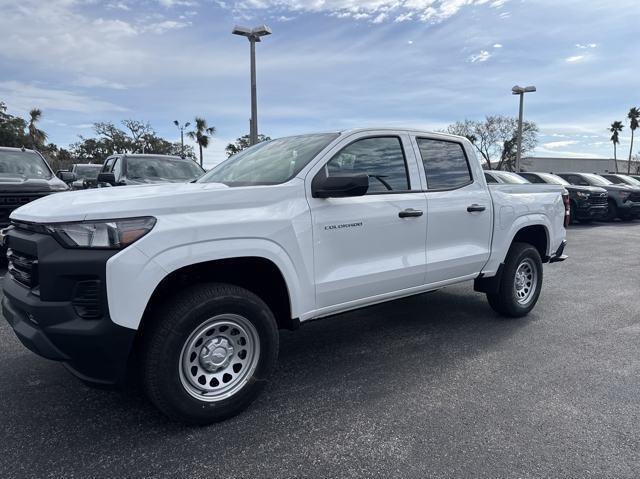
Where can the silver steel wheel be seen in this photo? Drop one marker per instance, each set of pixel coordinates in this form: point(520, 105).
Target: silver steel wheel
point(525, 281)
point(219, 357)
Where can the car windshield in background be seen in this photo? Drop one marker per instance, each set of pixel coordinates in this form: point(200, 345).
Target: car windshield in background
point(511, 178)
point(87, 172)
point(150, 167)
point(597, 179)
point(26, 164)
point(271, 162)
point(631, 181)
point(553, 179)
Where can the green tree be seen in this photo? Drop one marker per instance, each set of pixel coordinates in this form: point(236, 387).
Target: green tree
point(12, 129)
point(634, 118)
point(37, 136)
point(201, 134)
point(615, 129)
point(242, 143)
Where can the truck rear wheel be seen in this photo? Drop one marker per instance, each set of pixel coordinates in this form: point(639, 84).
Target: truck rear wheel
point(209, 353)
point(520, 283)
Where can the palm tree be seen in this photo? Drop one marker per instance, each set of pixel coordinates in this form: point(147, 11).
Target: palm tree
point(615, 129)
point(37, 136)
point(634, 117)
point(201, 134)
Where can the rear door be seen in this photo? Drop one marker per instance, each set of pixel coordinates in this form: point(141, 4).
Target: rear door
point(459, 210)
point(367, 246)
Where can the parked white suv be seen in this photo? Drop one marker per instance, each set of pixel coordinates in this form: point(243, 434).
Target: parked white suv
point(192, 281)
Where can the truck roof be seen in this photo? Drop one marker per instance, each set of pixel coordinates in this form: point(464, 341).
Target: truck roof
point(10, 148)
point(405, 130)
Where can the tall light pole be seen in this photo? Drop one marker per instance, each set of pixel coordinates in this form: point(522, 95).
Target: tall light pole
point(181, 128)
point(253, 35)
point(519, 90)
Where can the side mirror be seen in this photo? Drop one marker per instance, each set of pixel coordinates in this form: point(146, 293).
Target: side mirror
point(340, 186)
point(67, 176)
point(109, 178)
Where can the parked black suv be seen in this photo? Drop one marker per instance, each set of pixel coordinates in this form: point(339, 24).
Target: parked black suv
point(620, 179)
point(587, 202)
point(137, 169)
point(623, 201)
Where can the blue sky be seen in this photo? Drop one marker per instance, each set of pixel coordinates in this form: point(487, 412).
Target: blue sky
point(330, 64)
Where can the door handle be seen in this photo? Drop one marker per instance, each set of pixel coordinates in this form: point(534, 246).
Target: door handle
point(476, 207)
point(410, 213)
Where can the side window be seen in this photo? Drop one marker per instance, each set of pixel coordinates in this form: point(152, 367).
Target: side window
point(382, 158)
point(107, 165)
point(579, 180)
point(490, 178)
point(117, 168)
point(445, 164)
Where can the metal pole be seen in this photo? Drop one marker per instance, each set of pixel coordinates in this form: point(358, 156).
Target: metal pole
point(519, 151)
point(182, 141)
point(253, 133)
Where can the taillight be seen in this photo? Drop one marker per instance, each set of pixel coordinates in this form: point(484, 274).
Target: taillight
point(567, 209)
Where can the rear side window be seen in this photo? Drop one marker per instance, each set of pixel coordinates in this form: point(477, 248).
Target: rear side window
point(381, 158)
point(445, 164)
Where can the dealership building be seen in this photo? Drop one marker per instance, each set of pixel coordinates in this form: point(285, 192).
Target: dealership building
point(582, 165)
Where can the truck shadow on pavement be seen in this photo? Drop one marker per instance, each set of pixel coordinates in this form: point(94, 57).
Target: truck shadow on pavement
point(335, 362)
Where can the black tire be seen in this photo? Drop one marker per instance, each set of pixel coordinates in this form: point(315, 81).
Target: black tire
point(166, 338)
point(612, 212)
point(505, 301)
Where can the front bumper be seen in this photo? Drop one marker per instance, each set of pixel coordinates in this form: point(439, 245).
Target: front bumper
point(49, 320)
point(591, 212)
point(629, 209)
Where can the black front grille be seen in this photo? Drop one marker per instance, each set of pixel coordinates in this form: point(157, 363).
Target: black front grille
point(86, 299)
point(9, 202)
point(598, 199)
point(634, 197)
point(23, 268)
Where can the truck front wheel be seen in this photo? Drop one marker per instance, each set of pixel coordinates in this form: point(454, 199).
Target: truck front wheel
point(520, 283)
point(209, 353)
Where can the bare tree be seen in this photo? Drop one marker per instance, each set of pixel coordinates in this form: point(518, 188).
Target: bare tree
point(495, 138)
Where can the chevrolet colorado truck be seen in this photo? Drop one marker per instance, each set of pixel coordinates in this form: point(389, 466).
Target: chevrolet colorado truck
point(188, 284)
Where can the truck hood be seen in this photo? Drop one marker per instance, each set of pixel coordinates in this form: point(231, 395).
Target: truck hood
point(21, 184)
point(147, 200)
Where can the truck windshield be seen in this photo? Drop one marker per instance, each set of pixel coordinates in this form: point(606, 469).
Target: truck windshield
point(25, 164)
point(87, 172)
point(511, 178)
point(553, 179)
point(270, 162)
point(161, 168)
point(596, 179)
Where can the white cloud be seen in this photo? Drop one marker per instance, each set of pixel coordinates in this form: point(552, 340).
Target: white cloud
point(483, 56)
point(24, 96)
point(575, 59)
point(584, 46)
point(177, 3)
point(98, 82)
point(375, 11)
point(497, 45)
point(559, 144)
point(161, 27)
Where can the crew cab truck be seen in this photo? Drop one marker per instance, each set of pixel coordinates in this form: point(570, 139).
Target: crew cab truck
point(189, 283)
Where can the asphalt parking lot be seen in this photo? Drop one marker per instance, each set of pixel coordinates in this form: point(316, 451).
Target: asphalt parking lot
point(431, 386)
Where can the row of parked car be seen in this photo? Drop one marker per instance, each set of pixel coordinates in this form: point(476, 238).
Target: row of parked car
point(592, 197)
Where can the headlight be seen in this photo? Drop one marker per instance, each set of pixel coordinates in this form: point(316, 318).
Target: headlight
point(106, 234)
point(581, 194)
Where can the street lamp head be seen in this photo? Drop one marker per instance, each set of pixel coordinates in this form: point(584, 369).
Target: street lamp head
point(175, 122)
point(253, 34)
point(519, 90)
point(187, 124)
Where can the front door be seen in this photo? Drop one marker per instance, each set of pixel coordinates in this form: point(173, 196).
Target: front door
point(373, 244)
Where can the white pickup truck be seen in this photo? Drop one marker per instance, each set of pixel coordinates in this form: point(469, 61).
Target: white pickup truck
point(191, 282)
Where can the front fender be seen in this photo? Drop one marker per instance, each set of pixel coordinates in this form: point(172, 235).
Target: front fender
point(132, 277)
